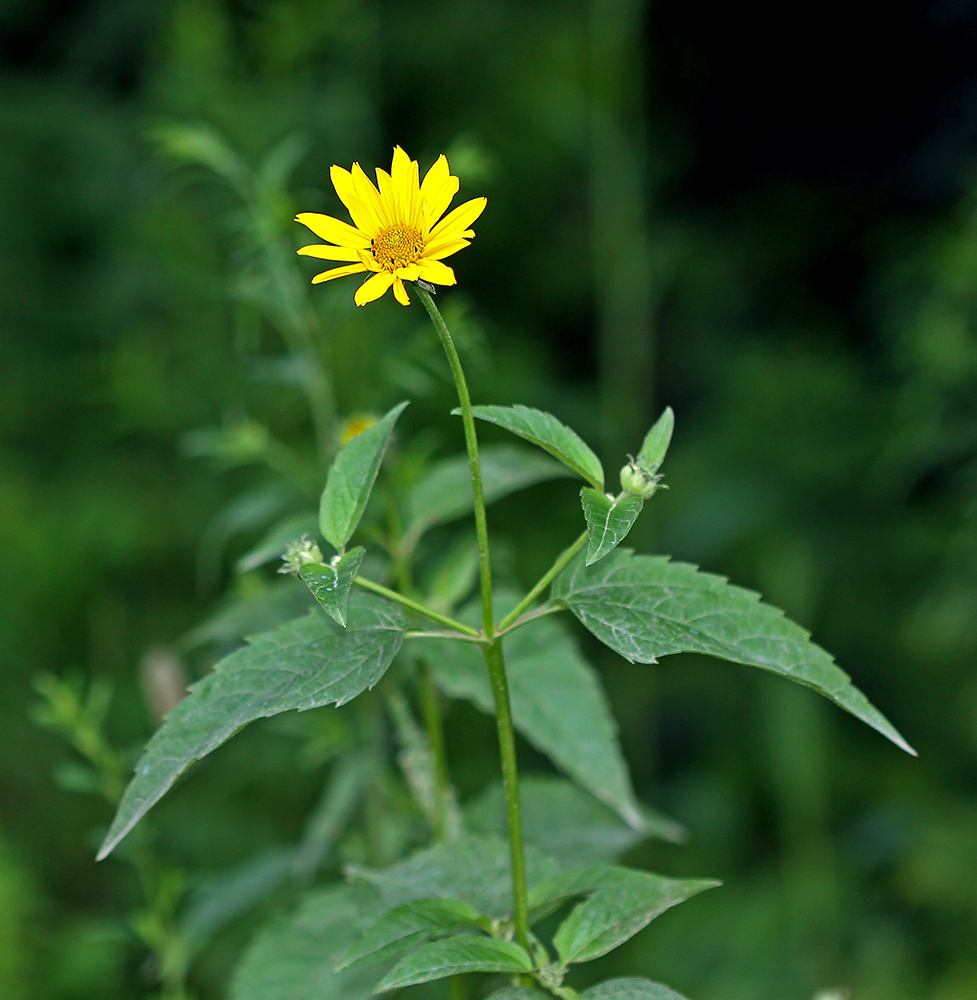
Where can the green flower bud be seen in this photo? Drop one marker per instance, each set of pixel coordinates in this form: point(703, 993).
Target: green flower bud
point(300, 553)
point(636, 480)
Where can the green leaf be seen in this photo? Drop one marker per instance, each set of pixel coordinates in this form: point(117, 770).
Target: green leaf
point(455, 955)
point(557, 704)
point(351, 478)
point(471, 869)
point(304, 664)
point(545, 430)
point(330, 582)
point(608, 520)
point(588, 831)
point(631, 989)
point(295, 958)
point(276, 540)
point(445, 491)
point(656, 442)
point(624, 900)
point(644, 607)
point(406, 927)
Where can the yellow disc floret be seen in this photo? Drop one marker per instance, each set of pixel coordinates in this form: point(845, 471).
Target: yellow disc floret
point(397, 246)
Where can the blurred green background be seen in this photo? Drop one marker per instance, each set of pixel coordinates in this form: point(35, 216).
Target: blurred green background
point(764, 217)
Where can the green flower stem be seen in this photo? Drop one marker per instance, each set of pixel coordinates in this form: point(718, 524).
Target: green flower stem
point(471, 443)
point(421, 609)
point(544, 582)
point(495, 662)
point(492, 649)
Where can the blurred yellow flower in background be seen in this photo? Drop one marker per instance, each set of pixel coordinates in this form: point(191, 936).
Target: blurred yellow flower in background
point(395, 233)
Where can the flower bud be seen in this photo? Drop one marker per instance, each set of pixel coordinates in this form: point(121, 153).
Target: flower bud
point(636, 480)
point(300, 553)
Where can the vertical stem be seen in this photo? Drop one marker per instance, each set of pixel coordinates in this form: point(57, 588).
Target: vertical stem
point(494, 659)
point(510, 780)
point(471, 443)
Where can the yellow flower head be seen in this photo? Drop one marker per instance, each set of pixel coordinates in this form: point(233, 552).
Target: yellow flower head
point(395, 234)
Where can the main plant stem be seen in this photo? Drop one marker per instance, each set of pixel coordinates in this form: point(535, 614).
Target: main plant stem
point(492, 650)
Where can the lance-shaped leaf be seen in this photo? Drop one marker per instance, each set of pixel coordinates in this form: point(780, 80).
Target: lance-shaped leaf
point(330, 582)
point(631, 989)
point(304, 664)
point(624, 900)
point(644, 607)
point(656, 442)
point(445, 491)
point(546, 431)
point(558, 705)
point(405, 927)
point(295, 957)
point(456, 955)
point(351, 479)
point(608, 520)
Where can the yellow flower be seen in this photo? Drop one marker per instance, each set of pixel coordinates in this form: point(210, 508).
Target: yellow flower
point(396, 232)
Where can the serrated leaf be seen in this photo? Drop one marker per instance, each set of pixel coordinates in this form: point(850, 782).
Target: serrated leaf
point(295, 958)
point(624, 902)
point(550, 434)
point(558, 705)
point(351, 479)
point(631, 989)
point(656, 442)
point(456, 955)
point(276, 540)
point(330, 582)
point(405, 927)
point(588, 831)
point(472, 869)
point(644, 607)
point(608, 520)
point(304, 664)
point(444, 492)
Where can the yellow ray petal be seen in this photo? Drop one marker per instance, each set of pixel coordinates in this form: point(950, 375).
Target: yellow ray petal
point(338, 272)
point(409, 273)
point(444, 248)
point(333, 230)
point(329, 253)
point(460, 219)
point(373, 287)
point(367, 192)
point(342, 181)
point(400, 293)
point(435, 178)
point(388, 193)
point(436, 272)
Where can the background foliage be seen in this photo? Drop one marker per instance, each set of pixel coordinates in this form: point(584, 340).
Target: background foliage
point(778, 241)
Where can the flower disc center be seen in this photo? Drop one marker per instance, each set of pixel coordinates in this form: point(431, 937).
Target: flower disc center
point(397, 246)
